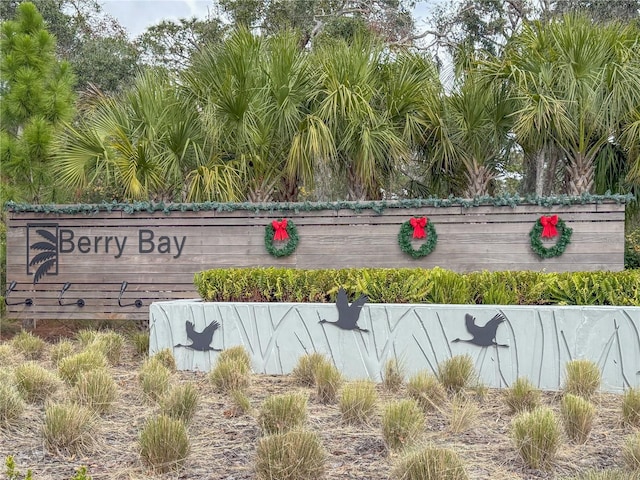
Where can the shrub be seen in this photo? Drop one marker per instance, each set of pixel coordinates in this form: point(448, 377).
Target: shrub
point(358, 401)
point(11, 405)
point(166, 358)
point(402, 423)
point(328, 381)
point(13, 473)
point(537, 437)
point(304, 372)
point(522, 396)
point(631, 452)
point(282, 413)
point(110, 344)
point(27, 344)
point(62, 349)
point(154, 379)
point(140, 341)
point(393, 375)
point(430, 463)
point(236, 354)
point(73, 367)
point(164, 443)
point(180, 403)
point(425, 389)
point(632, 249)
point(456, 373)
point(631, 407)
point(97, 390)
point(34, 382)
point(462, 414)
point(577, 417)
point(68, 428)
point(294, 455)
point(582, 377)
point(229, 375)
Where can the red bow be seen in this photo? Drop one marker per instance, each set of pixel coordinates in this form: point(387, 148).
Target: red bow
point(280, 229)
point(549, 226)
point(418, 225)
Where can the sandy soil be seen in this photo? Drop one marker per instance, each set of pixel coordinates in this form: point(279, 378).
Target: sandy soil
point(223, 446)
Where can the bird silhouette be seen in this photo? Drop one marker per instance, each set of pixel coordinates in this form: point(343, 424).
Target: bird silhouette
point(348, 314)
point(201, 341)
point(484, 336)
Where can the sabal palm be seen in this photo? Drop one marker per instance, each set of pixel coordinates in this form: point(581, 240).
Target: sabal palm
point(147, 144)
point(577, 85)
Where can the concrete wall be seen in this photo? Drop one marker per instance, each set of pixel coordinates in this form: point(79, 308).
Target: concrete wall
point(538, 340)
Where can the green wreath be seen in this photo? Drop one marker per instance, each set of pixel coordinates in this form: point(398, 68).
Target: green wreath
point(406, 234)
point(558, 249)
point(288, 248)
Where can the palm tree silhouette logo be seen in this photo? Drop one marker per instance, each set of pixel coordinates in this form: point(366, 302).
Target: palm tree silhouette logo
point(46, 244)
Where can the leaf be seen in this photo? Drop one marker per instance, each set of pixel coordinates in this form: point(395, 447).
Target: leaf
point(48, 235)
point(43, 269)
point(41, 257)
point(44, 246)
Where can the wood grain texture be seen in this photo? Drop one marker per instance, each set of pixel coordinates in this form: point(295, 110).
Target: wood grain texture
point(162, 252)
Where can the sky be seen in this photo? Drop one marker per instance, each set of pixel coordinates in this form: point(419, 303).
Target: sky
point(137, 15)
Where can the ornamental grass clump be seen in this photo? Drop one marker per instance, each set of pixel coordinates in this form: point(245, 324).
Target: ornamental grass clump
point(282, 413)
point(241, 402)
point(393, 375)
point(402, 423)
point(86, 336)
point(328, 380)
point(12, 405)
point(68, 428)
point(166, 358)
point(425, 389)
point(537, 437)
point(462, 414)
point(164, 443)
point(304, 372)
point(236, 354)
point(357, 401)
point(154, 379)
point(71, 368)
point(28, 345)
point(430, 463)
point(8, 355)
point(96, 390)
point(63, 349)
point(229, 375)
point(110, 344)
point(140, 341)
point(631, 407)
point(522, 396)
point(457, 373)
point(577, 417)
point(35, 383)
point(582, 377)
point(631, 452)
point(181, 402)
point(294, 455)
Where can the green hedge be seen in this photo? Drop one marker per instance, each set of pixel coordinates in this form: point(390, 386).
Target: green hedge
point(416, 285)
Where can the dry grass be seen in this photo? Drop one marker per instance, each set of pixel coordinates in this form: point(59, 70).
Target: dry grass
point(229, 375)
point(12, 406)
point(358, 400)
point(71, 368)
point(427, 390)
point(328, 380)
point(522, 396)
point(393, 375)
point(582, 378)
point(294, 455)
point(457, 373)
point(577, 417)
point(402, 424)
point(181, 402)
point(631, 407)
point(282, 413)
point(164, 443)
point(154, 379)
point(462, 414)
point(28, 345)
point(430, 463)
point(96, 390)
point(537, 437)
point(305, 370)
point(34, 382)
point(69, 428)
point(165, 358)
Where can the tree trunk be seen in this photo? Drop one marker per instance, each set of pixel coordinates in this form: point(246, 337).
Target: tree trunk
point(355, 187)
point(580, 175)
point(478, 180)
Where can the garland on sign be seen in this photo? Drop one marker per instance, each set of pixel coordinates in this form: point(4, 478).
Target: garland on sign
point(547, 227)
point(281, 230)
point(415, 228)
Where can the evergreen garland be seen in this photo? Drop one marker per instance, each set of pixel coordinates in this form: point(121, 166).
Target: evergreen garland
point(289, 247)
point(558, 249)
point(406, 234)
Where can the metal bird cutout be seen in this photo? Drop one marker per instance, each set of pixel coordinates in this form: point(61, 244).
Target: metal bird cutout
point(484, 336)
point(201, 341)
point(348, 314)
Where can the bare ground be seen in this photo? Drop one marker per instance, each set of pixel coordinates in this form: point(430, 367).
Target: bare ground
point(223, 445)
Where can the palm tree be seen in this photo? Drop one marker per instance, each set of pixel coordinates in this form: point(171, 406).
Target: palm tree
point(577, 85)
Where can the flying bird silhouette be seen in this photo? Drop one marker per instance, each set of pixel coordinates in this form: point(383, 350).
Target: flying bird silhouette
point(348, 314)
point(484, 336)
point(201, 341)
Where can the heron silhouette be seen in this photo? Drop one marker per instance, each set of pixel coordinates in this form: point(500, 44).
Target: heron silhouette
point(484, 336)
point(348, 314)
point(201, 341)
